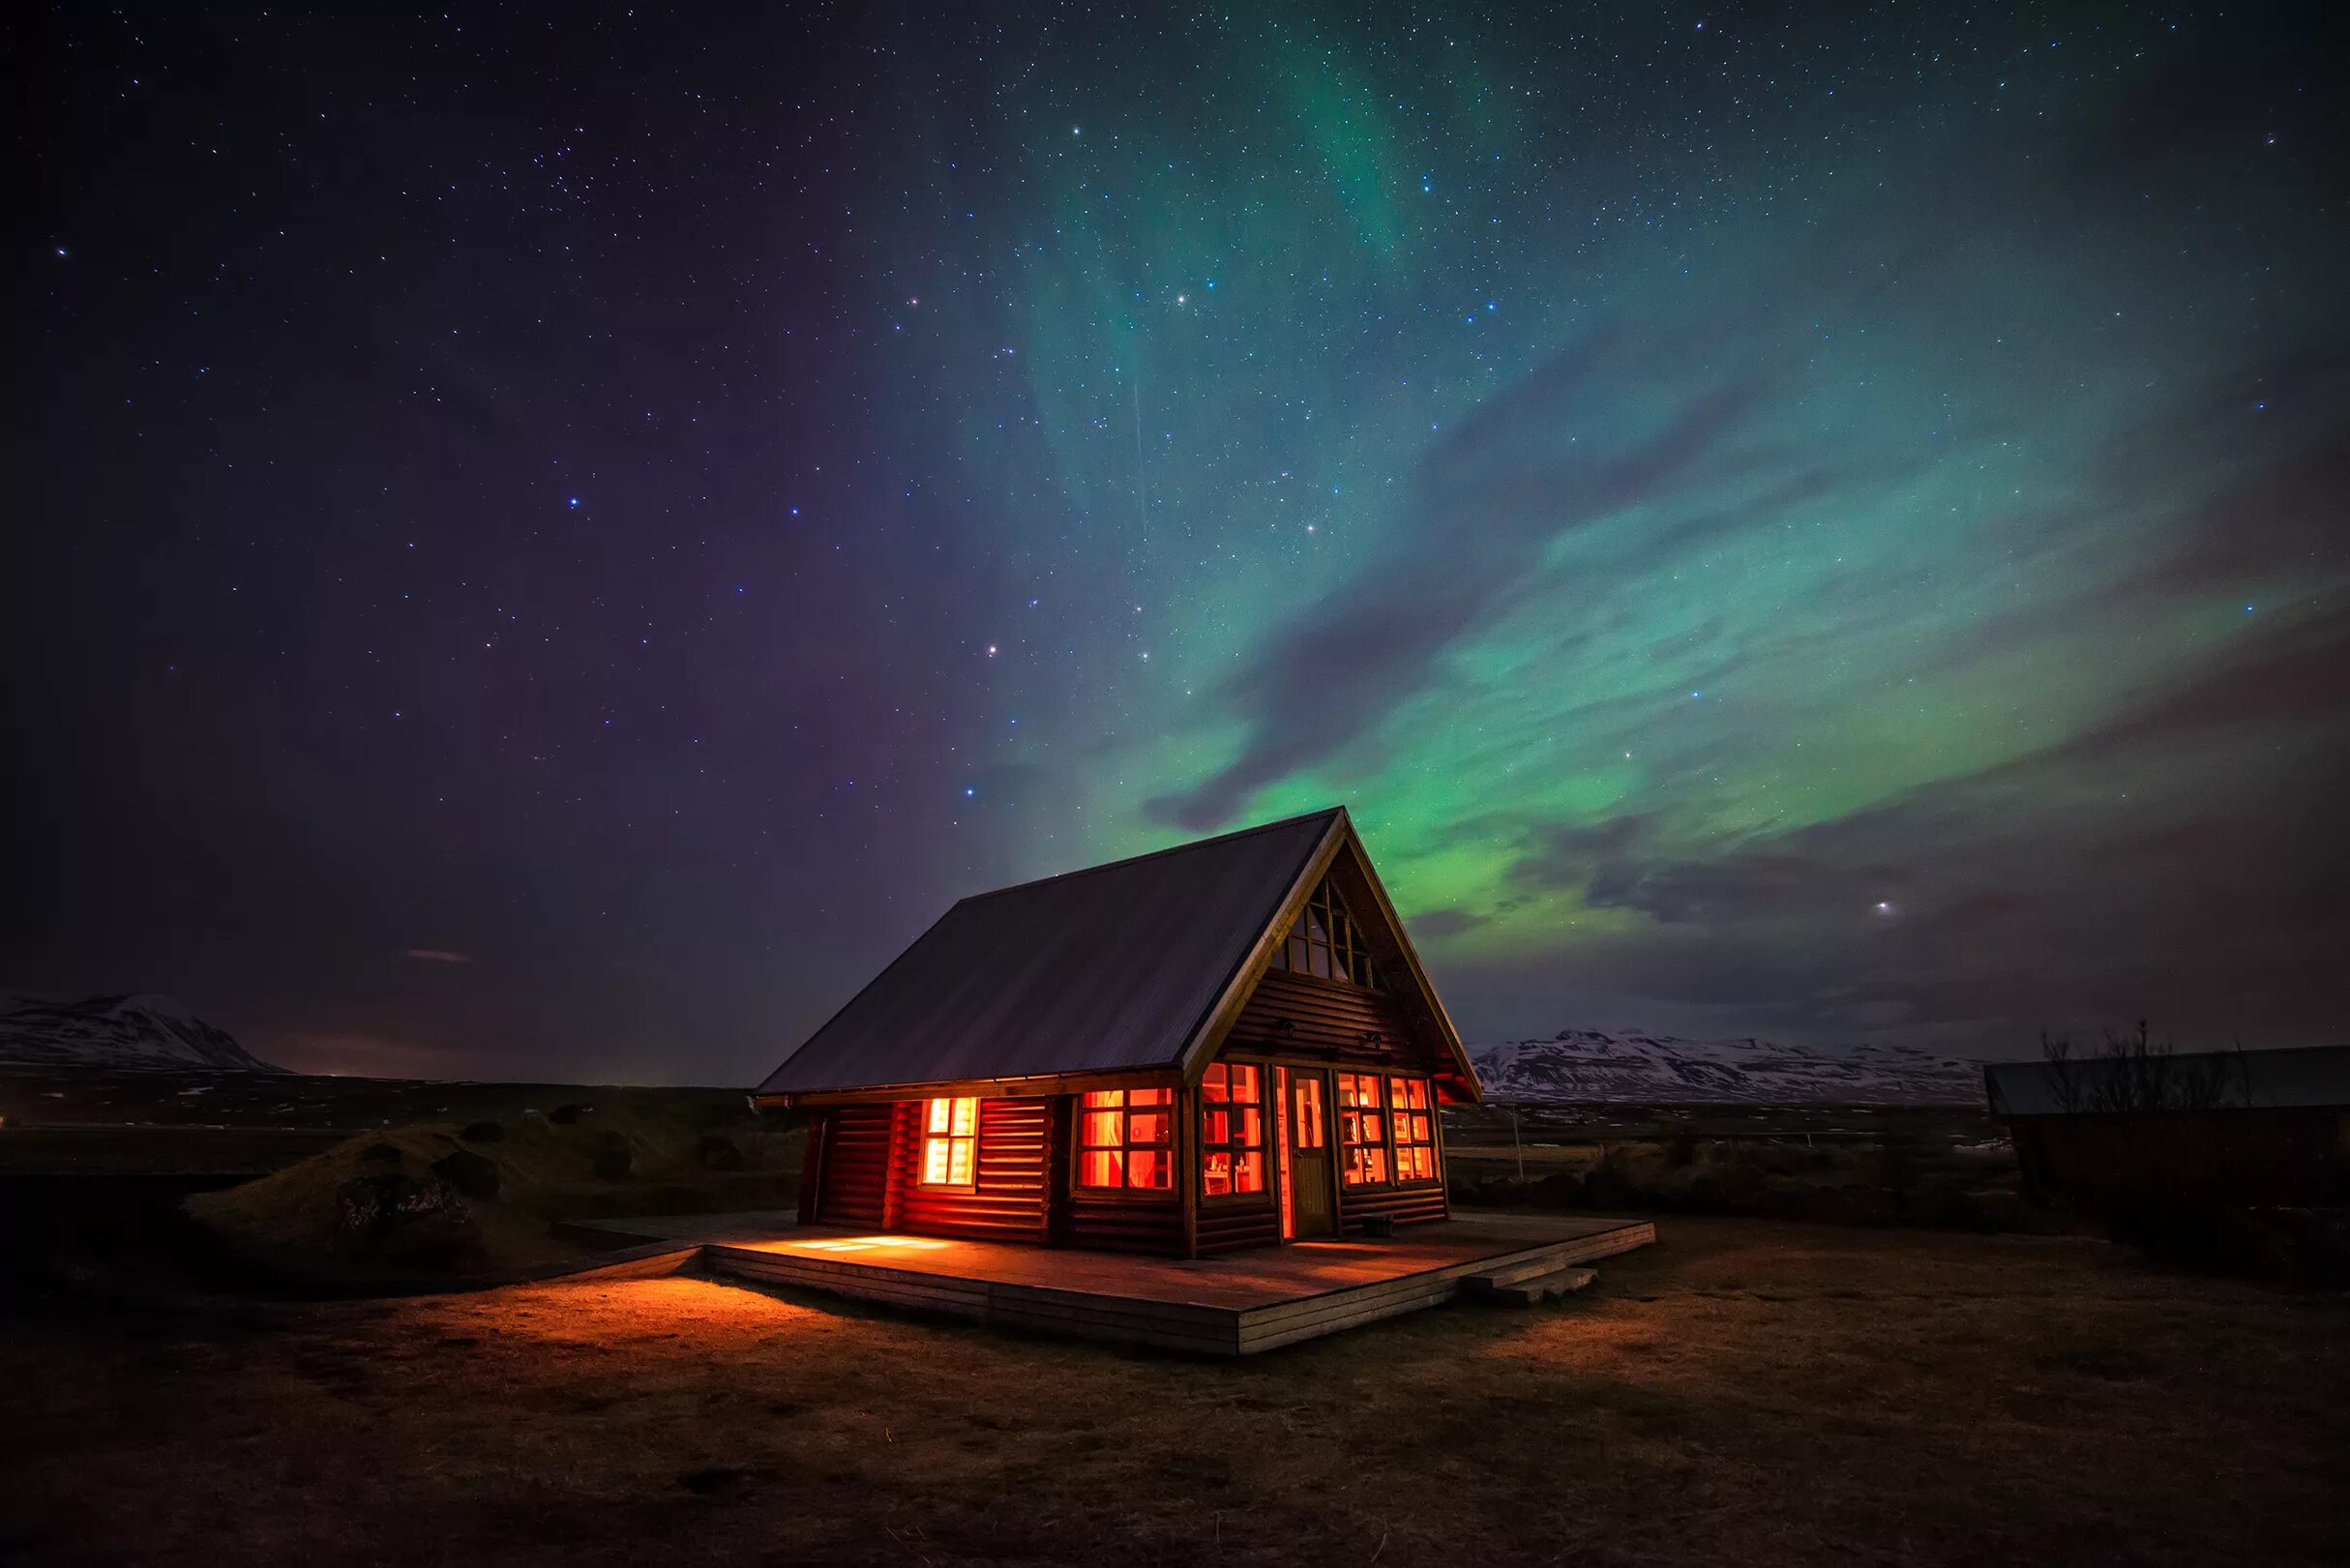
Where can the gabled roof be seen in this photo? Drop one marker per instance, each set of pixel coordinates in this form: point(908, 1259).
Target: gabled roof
point(1124, 968)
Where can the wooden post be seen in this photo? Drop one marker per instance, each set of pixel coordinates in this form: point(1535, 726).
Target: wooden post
point(812, 1165)
point(1060, 1139)
point(1187, 1166)
point(1278, 1082)
point(1443, 1172)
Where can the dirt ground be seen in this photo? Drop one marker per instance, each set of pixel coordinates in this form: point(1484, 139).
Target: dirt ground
point(1746, 1391)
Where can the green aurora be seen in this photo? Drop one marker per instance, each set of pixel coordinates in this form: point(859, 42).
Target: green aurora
point(573, 537)
point(1714, 535)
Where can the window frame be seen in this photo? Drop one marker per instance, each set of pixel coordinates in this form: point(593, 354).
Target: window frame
point(1079, 1148)
point(1344, 1116)
point(1236, 1128)
point(925, 1137)
point(1423, 1112)
point(1343, 940)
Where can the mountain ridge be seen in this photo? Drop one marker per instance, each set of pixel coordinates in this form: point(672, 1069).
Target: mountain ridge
point(136, 1031)
point(1593, 1066)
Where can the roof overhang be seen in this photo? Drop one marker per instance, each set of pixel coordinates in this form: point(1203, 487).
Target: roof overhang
point(984, 1088)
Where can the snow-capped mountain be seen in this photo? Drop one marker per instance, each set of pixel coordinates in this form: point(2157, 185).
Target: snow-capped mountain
point(144, 1031)
point(1587, 1066)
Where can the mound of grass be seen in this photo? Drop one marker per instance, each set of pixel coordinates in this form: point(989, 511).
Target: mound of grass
point(445, 1199)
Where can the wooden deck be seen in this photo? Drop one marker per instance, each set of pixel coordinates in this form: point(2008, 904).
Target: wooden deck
point(1234, 1304)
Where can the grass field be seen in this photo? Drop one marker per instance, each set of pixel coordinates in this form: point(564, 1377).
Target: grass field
point(1745, 1391)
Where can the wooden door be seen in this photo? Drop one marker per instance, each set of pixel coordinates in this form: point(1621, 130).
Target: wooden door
point(1312, 1205)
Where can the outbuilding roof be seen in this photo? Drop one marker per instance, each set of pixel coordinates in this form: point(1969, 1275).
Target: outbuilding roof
point(1115, 967)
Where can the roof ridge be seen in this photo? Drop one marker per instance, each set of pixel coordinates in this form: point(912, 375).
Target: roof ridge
point(1154, 855)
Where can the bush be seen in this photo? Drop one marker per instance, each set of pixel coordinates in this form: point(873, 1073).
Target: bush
point(609, 1157)
point(405, 1221)
point(475, 1175)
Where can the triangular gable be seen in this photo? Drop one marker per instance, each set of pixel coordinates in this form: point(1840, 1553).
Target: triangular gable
point(1343, 860)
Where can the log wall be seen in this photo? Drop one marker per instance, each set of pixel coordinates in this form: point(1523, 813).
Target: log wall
point(856, 1164)
point(1294, 1015)
point(1227, 1225)
point(1008, 1200)
point(1405, 1205)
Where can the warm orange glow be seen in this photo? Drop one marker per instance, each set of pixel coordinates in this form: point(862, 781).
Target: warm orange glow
point(1310, 1133)
point(1232, 1130)
point(1414, 1131)
point(1125, 1139)
point(863, 1244)
point(950, 1143)
point(1362, 1134)
point(1281, 1152)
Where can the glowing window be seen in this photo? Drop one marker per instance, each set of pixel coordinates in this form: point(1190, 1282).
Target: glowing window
point(950, 1143)
point(1125, 1139)
point(1362, 1131)
point(1232, 1130)
point(1310, 1131)
point(1413, 1125)
point(1325, 941)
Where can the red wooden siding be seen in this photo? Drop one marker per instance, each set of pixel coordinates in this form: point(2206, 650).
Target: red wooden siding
point(1227, 1225)
point(871, 1154)
point(856, 1164)
point(1126, 1224)
point(1123, 1221)
point(1325, 1019)
point(1007, 1203)
point(1408, 1206)
point(1229, 1222)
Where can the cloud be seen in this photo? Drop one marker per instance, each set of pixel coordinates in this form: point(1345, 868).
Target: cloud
point(1436, 925)
point(1490, 498)
point(2144, 867)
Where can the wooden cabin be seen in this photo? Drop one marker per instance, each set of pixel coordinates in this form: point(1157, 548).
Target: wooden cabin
point(1227, 1044)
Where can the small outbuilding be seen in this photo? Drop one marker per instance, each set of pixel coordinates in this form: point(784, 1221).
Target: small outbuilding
point(2233, 1127)
point(1224, 1045)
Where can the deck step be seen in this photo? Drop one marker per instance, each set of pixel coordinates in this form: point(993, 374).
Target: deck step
point(1548, 1260)
point(1540, 1288)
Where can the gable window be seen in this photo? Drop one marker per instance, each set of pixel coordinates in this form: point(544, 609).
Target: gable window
point(1325, 941)
point(950, 1143)
point(1362, 1133)
point(1125, 1139)
point(1411, 1123)
point(1232, 1130)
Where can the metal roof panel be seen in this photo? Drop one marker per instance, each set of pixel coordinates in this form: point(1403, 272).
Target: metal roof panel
point(1114, 967)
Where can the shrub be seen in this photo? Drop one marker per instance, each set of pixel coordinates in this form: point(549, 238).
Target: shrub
point(610, 1157)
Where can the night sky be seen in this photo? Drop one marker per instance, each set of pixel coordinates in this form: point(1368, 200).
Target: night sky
point(551, 544)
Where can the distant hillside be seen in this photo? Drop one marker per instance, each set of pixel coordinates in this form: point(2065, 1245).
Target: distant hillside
point(145, 1031)
point(1587, 1066)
